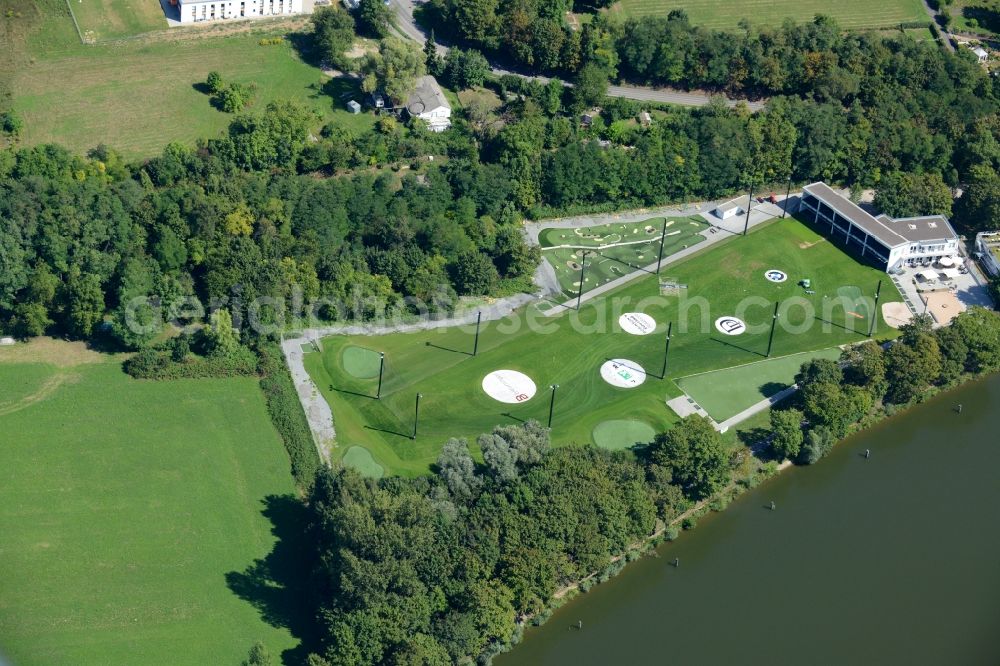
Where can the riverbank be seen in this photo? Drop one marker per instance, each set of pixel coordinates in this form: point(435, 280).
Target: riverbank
point(766, 470)
point(864, 560)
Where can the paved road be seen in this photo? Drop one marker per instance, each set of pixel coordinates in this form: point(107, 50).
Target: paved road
point(408, 28)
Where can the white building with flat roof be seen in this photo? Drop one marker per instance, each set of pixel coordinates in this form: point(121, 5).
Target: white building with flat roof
point(196, 11)
point(887, 242)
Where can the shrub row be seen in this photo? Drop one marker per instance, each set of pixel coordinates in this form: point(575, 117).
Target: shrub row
point(157, 363)
point(287, 415)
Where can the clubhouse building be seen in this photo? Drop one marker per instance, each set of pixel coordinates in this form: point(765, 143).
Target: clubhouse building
point(886, 242)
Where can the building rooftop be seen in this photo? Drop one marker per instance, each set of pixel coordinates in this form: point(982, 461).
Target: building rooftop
point(891, 232)
point(427, 96)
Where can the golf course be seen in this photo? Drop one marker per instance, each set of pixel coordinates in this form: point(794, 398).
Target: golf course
point(574, 350)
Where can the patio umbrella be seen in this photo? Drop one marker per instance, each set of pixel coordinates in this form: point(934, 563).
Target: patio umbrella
point(947, 261)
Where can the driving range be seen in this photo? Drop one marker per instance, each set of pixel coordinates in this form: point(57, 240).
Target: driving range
point(605, 374)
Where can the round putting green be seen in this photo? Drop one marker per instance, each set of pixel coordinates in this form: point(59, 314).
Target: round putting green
point(359, 362)
point(362, 460)
point(622, 434)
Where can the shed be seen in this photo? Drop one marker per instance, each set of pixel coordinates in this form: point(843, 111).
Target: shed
point(645, 119)
point(981, 54)
point(354, 107)
point(727, 210)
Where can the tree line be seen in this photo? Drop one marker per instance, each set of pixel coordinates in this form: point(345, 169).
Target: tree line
point(871, 379)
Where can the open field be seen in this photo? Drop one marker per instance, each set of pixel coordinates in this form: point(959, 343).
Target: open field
point(617, 249)
point(106, 95)
point(127, 508)
point(725, 14)
point(726, 393)
point(138, 95)
point(111, 19)
point(569, 350)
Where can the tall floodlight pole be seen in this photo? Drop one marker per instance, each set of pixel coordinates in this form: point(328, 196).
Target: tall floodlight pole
point(381, 368)
point(583, 268)
point(552, 402)
point(871, 328)
point(746, 225)
point(774, 323)
point(663, 237)
point(479, 320)
point(416, 417)
point(788, 193)
point(666, 350)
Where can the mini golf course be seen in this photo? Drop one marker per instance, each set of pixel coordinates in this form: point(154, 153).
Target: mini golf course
point(569, 350)
point(614, 249)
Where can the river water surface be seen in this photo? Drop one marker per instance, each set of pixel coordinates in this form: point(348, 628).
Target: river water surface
point(890, 560)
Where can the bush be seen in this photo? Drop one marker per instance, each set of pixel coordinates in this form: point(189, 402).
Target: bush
point(11, 123)
point(689, 523)
point(287, 415)
point(671, 533)
point(159, 363)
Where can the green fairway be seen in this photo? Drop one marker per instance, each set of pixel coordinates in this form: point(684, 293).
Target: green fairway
point(726, 14)
point(360, 363)
point(361, 459)
point(569, 350)
point(622, 434)
point(725, 393)
point(616, 249)
point(125, 506)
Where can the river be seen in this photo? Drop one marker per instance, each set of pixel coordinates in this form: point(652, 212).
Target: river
point(890, 560)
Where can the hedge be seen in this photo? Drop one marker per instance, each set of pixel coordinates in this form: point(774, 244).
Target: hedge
point(287, 415)
point(156, 363)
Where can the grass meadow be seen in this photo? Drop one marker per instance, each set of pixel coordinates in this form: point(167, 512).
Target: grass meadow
point(102, 20)
point(726, 14)
point(138, 95)
point(568, 350)
point(130, 512)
